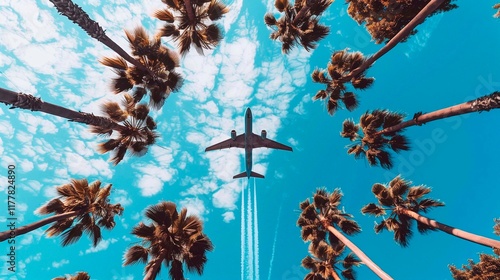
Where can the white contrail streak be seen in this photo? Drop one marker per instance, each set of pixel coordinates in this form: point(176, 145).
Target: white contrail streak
point(243, 245)
point(274, 242)
point(250, 264)
point(255, 233)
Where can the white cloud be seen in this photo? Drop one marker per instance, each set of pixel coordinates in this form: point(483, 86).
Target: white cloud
point(195, 206)
point(122, 197)
point(228, 216)
point(60, 263)
point(227, 195)
point(103, 245)
point(149, 185)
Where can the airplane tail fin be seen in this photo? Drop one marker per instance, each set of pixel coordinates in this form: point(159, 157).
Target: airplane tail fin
point(244, 174)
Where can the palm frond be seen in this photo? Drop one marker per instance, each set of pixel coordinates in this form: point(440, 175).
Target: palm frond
point(135, 254)
point(373, 209)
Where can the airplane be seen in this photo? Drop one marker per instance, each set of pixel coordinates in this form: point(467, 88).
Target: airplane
point(248, 141)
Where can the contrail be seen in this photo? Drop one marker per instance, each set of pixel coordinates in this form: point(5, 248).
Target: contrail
point(243, 232)
point(249, 234)
point(255, 232)
point(274, 242)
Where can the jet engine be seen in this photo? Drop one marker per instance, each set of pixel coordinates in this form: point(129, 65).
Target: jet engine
point(233, 134)
point(263, 134)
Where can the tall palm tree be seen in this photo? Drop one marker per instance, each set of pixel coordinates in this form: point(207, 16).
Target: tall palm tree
point(77, 15)
point(488, 266)
point(191, 22)
point(173, 238)
point(404, 202)
point(325, 261)
point(134, 128)
point(80, 208)
point(323, 220)
point(159, 60)
point(497, 6)
point(78, 276)
point(341, 63)
point(299, 23)
point(429, 9)
point(380, 130)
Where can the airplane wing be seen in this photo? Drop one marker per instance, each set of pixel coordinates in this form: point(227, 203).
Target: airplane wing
point(259, 142)
point(238, 142)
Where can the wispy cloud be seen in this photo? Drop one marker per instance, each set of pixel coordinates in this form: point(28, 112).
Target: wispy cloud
point(60, 263)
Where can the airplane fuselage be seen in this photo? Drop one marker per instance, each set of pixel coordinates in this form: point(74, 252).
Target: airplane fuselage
point(248, 141)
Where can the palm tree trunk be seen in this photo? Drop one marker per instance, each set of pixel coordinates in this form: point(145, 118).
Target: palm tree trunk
point(484, 103)
point(403, 33)
point(154, 268)
point(481, 240)
point(27, 228)
point(334, 275)
point(364, 258)
point(30, 102)
point(189, 11)
point(77, 15)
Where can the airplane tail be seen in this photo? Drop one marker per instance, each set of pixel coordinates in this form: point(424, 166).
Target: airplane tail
point(244, 174)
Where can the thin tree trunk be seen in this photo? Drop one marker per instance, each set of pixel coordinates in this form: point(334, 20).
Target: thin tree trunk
point(27, 228)
point(403, 33)
point(481, 240)
point(77, 15)
point(334, 275)
point(364, 258)
point(484, 103)
point(189, 11)
point(153, 270)
point(30, 102)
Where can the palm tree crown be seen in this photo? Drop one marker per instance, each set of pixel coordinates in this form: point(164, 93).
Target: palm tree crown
point(370, 144)
point(160, 79)
point(92, 207)
point(341, 64)
point(299, 23)
point(394, 197)
point(138, 133)
point(324, 211)
point(326, 260)
point(173, 238)
point(78, 276)
point(384, 19)
point(191, 22)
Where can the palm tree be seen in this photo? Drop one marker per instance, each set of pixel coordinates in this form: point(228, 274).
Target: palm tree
point(322, 219)
point(80, 208)
point(139, 134)
point(341, 63)
point(78, 276)
point(497, 6)
point(173, 238)
point(433, 6)
point(160, 61)
point(404, 203)
point(299, 23)
point(384, 19)
point(133, 126)
point(380, 130)
point(325, 260)
point(487, 268)
point(77, 15)
point(190, 22)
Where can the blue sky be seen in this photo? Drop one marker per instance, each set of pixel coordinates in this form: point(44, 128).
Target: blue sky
point(449, 61)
